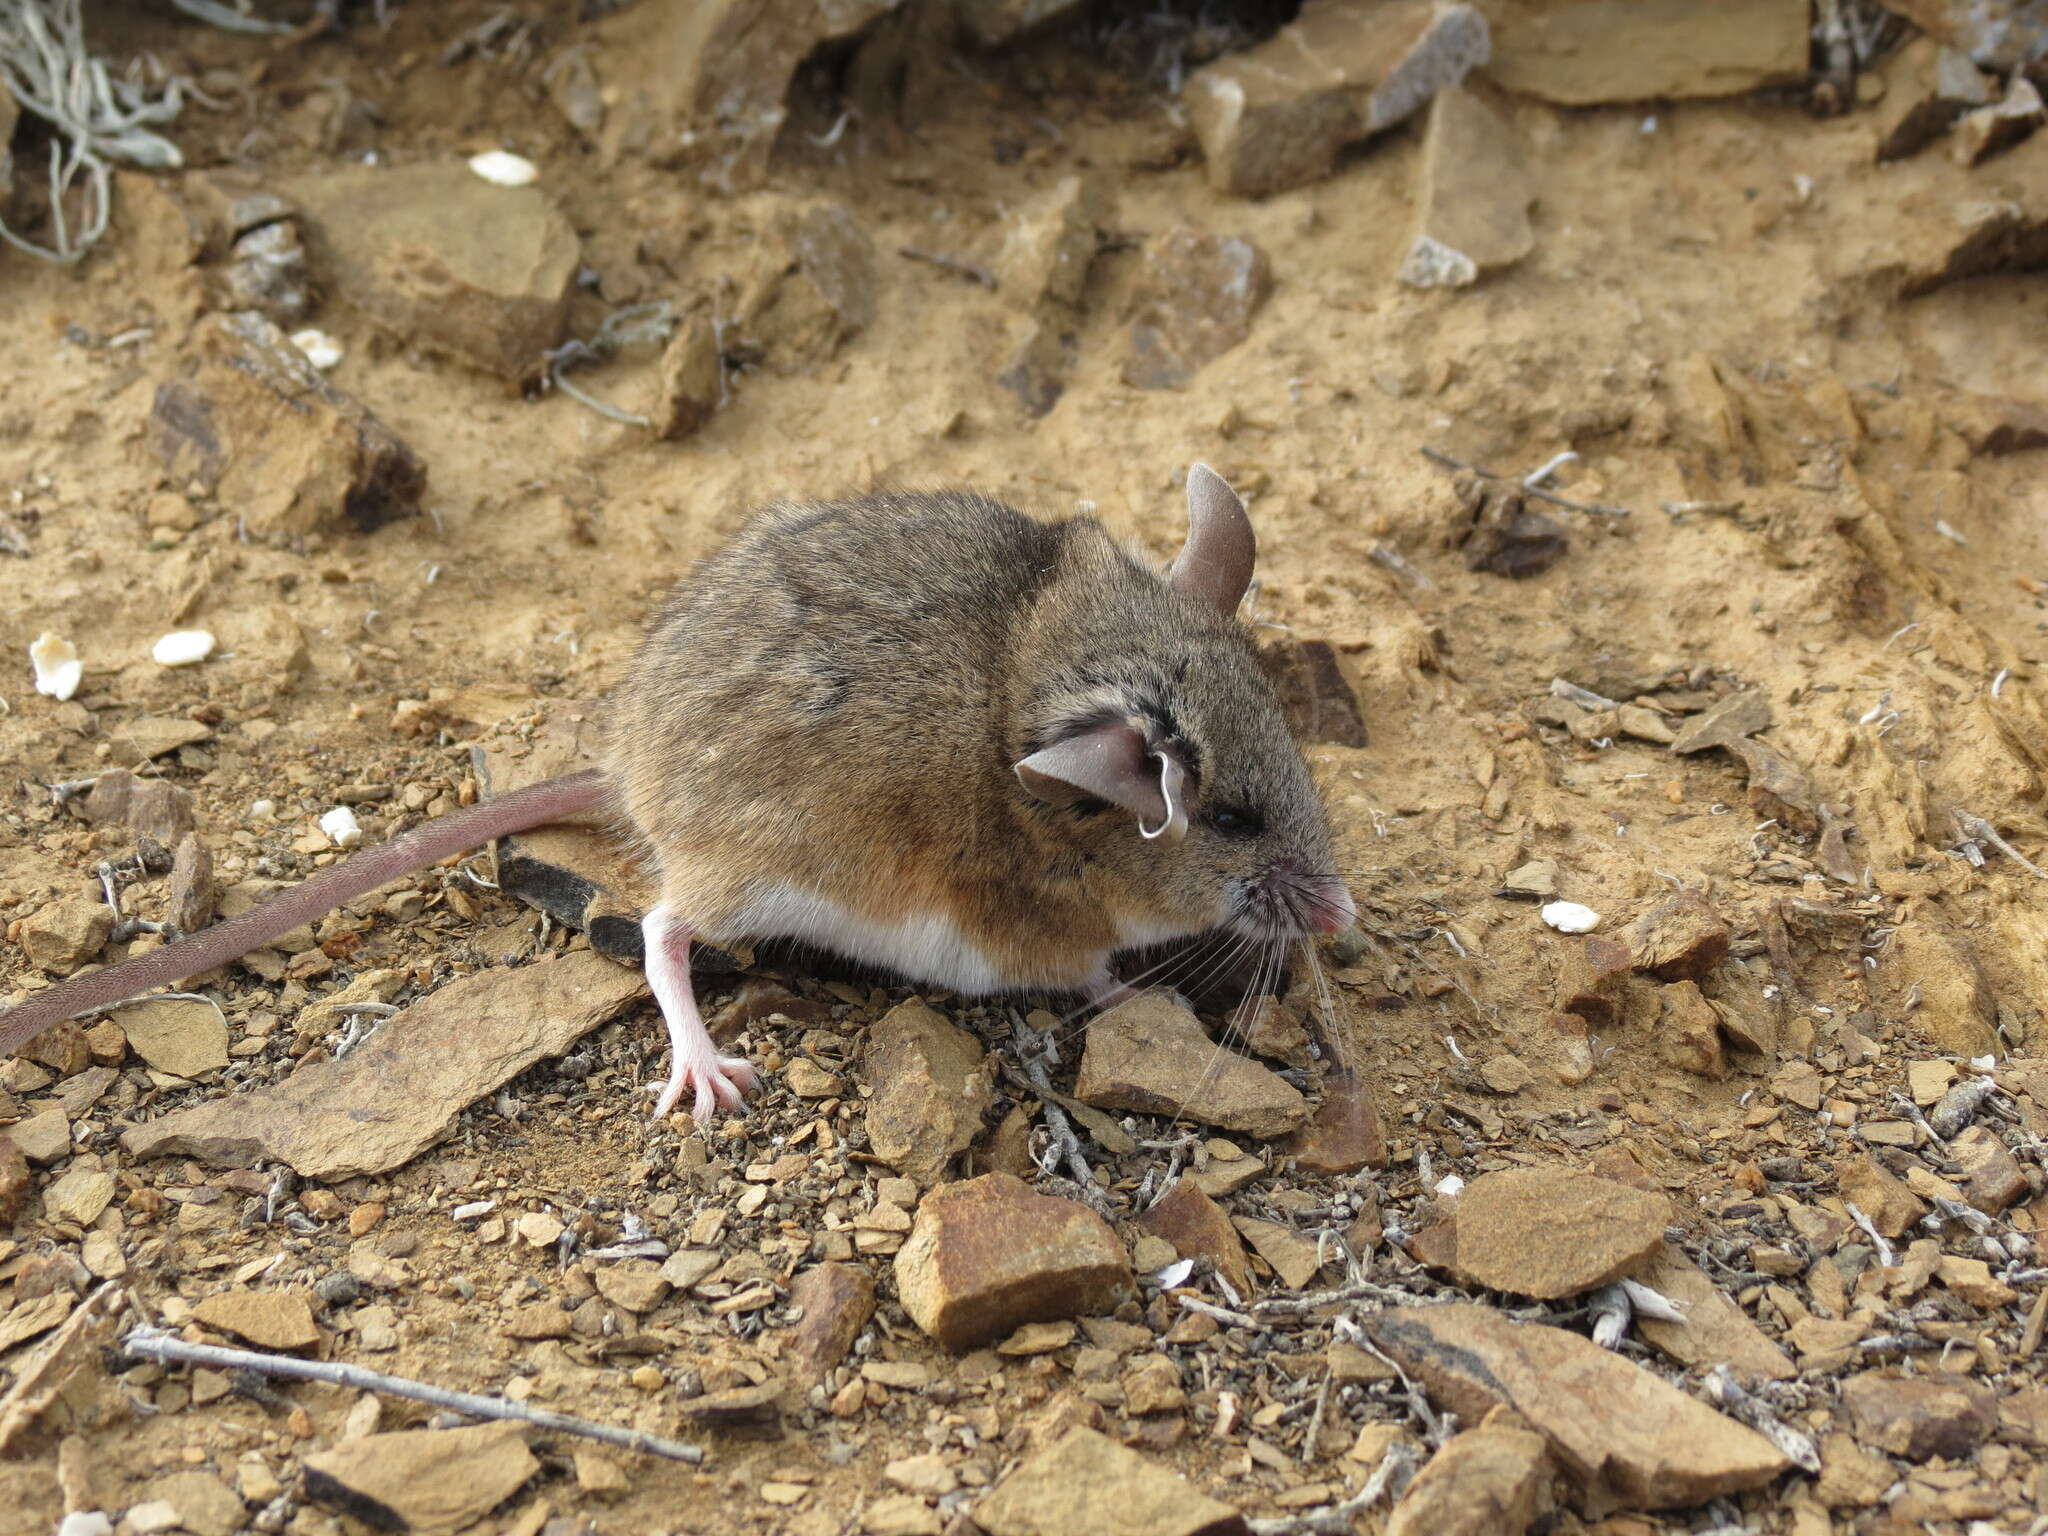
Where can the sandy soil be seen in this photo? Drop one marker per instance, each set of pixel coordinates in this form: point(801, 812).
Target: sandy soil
point(1693, 323)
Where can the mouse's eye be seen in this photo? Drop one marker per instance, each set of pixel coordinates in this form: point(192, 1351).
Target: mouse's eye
point(1235, 821)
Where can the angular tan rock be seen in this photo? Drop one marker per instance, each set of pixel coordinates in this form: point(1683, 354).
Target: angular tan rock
point(1582, 52)
point(154, 807)
point(1725, 721)
point(1474, 198)
point(1484, 1482)
point(690, 383)
point(932, 1086)
point(1998, 34)
point(446, 260)
point(44, 1136)
point(1913, 231)
point(1199, 1228)
point(1085, 1484)
point(186, 1037)
point(256, 424)
point(1625, 1435)
point(79, 1196)
point(1049, 248)
point(1689, 1030)
point(1151, 1055)
point(189, 900)
point(1195, 302)
point(1715, 1329)
point(203, 1504)
point(61, 936)
point(1993, 1178)
point(1592, 978)
point(1345, 1133)
point(399, 1092)
point(1879, 1194)
point(15, 1179)
point(267, 1319)
point(1938, 1414)
point(427, 1480)
point(1682, 938)
point(837, 1300)
point(1278, 115)
point(812, 286)
point(1927, 87)
point(989, 1254)
point(1294, 1256)
point(1548, 1232)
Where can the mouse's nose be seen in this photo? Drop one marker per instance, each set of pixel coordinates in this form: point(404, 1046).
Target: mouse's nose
point(1331, 910)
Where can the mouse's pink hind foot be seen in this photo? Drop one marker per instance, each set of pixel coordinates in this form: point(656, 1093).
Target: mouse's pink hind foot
point(718, 1082)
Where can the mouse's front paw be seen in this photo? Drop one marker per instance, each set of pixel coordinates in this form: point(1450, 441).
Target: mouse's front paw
point(720, 1083)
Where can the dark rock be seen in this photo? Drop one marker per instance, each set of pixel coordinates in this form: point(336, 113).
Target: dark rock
point(254, 423)
point(152, 807)
point(1593, 978)
point(1315, 695)
point(837, 1300)
point(1345, 1133)
point(190, 903)
point(1198, 1229)
point(1938, 1414)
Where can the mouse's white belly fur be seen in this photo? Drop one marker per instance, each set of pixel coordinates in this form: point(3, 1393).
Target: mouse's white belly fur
point(928, 949)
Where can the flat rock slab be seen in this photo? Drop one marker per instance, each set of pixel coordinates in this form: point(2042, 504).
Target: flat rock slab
point(398, 1093)
point(267, 1319)
point(1085, 1484)
point(1151, 1055)
point(1484, 1482)
point(837, 1300)
point(1582, 52)
point(423, 1480)
point(1279, 115)
point(1475, 195)
point(444, 259)
point(155, 807)
point(1345, 1133)
point(1196, 299)
point(988, 1255)
point(1715, 1329)
point(1548, 1232)
point(186, 1037)
point(1626, 1436)
point(255, 424)
point(932, 1087)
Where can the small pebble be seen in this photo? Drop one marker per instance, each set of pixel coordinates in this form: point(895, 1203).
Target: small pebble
point(1570, 917)
point(321, 349)
point(341, 827)
point(182, 648)
point(58, 669)
point(504, 168)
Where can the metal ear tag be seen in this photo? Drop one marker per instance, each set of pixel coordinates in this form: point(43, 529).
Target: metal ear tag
point(1172, 778)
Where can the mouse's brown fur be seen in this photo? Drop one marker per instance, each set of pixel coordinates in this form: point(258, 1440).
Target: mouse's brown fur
point(836, 701)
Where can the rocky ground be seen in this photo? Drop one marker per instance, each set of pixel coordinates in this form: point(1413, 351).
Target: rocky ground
point(1664, 1150)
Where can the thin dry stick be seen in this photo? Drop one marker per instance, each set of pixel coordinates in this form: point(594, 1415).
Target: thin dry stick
point(966, 269)
point(1437, 456)
point(1977, 826)
point(1336, 1519)
point(159, 1345)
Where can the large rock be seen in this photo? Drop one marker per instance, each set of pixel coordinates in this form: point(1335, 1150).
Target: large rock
point(707, 83)
point(255, 424)
point(1151, 1055)
point(399, 1092)
point(1085, 1484)
point(1999, 34)
point(932, 1091)
point(1927, 87)
point(1196, 300)
point(65, 934)
point(1927, 223)
point(447, 260)
point(1546, 1232)
point(1475, 195)
point(988, 1255)
point(1279, 115)
point(424, 1480)
point(1490, 1481)
point(1682, 938)
point(1625, 1435)
point(267, 1319)
point(1582, 52)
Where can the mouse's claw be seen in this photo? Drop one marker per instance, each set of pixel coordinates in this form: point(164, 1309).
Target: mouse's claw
point(721, 1083)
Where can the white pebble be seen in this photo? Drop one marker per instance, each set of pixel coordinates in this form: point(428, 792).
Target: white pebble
point(321, 349)
point(1174, 1274)
point(58, 669)
point(85, 1522)
point(504, 168)
point(473, 1211)
point(341, 827)
point(150, 1519)
point(262, 810)
point(1570, 917)
point(1449, 1185)
point(182, 648)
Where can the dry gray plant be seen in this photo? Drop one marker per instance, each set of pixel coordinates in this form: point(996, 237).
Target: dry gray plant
point(95, 118)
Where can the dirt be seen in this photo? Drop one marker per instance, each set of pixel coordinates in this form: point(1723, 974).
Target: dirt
point(1804, 516)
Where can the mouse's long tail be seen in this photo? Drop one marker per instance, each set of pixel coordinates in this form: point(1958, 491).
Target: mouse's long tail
point(426, 844)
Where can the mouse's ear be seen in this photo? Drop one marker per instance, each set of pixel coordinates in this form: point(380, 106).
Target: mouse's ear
point(1215, 565)
point(1112, 762)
